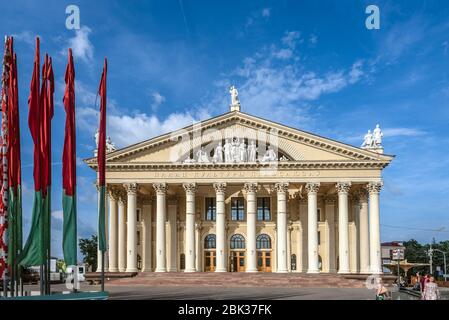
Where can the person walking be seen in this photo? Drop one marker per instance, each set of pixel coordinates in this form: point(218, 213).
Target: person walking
point(431, 291)
point(382, 292)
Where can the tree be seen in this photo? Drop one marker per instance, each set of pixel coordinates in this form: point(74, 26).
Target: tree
point(88, 248)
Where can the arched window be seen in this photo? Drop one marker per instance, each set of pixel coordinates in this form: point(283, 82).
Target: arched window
point(237, 242)
point(210, 241)
point(263, 241)
point(320, 263)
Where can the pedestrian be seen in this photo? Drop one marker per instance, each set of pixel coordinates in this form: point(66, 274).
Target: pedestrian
point(423, 282)
point(382, 292)
point(417, 284)
point(431, 291)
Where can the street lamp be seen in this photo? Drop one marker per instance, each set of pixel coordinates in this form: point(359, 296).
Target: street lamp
point(444, 256)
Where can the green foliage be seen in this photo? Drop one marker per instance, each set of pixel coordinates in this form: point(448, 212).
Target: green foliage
point(88, 248)
point(416, 252)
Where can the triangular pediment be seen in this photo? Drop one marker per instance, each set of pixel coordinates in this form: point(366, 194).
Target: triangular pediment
point(289, 144)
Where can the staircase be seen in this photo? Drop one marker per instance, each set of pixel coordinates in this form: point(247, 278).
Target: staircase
point(227, 279)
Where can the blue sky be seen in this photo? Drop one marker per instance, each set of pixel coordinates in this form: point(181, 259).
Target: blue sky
point(309, 64)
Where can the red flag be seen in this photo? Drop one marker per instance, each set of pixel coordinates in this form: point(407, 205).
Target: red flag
point(69, 239)
point(34, 117)
point(102, 160)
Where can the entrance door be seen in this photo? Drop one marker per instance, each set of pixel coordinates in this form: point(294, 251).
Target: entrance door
point(237, 261)
point(264, 261)
point(210, 261)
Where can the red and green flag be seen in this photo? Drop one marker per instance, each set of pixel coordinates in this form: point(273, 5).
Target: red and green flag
point(14, 162)
point(37, 247)
point(4, 187)
point(101, 158)
point(69, 237)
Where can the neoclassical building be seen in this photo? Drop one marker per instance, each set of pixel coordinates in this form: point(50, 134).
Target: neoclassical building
point(237, 193)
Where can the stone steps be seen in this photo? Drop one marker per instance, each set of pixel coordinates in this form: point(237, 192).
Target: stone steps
point(241, 280)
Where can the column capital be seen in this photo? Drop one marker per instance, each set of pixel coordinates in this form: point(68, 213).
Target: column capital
point(281, 187)
point(198, 226)
point(121, 196)
point(220, 187)
point(250, 187)
point(161, 188)
point(190, 187)
point(131, 188)
point(362, 194)
point(343, 187)
point(113, 192)
point(330, 200)
point(312, 187)
point(374, 186)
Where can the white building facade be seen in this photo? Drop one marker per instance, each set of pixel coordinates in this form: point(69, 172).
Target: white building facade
point(237, 193)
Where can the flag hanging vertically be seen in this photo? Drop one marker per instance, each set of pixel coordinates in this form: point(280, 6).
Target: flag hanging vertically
point(14, 161)
point(69, 236)
point(102, 161)
point(33, 253)
point(7, 59)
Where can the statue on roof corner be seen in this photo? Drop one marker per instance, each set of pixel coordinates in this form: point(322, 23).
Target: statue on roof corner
point(373, 140)
point(234, 95)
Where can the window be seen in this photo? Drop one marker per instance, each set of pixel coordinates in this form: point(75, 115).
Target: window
point(263, 241)
point(139, 262)
point(138, 238)
point(182, 261)
point(210, 241)
point(293, 262)
point(319, 217)
point(138, 215)
point(237, 209)
point(320, 263)
point(211, 209)
point(319, 237)
point(263, 209)
point(237, 242)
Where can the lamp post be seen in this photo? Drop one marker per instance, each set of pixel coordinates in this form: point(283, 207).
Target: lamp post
point(444, 257)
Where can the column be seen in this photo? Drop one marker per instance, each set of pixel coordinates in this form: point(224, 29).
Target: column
point(312, 210)
point(282, 193)
point(364, 231)
point(161, 259)
point(190, 189)
point(289, 245)
point(122, 232)
point(330, 233)
point(113, 230)
point(131, 244)
point(146, 230)
point(198, 227)
point(354, 237)
point(302, 253)
point(172, 234)
point(374, 224)
point(343, 236)
point(220, 189)
point(251, 208)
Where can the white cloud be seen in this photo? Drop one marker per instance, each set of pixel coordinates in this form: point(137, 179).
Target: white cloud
point(81, 45)
point(57, 214)
point(283, 54)
point(158, 99)
point(27, 37)
point(274, 84)
point(266, 12)
point(313, 39)
point(403, 132)
point(291, 38)
point(356, 72)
